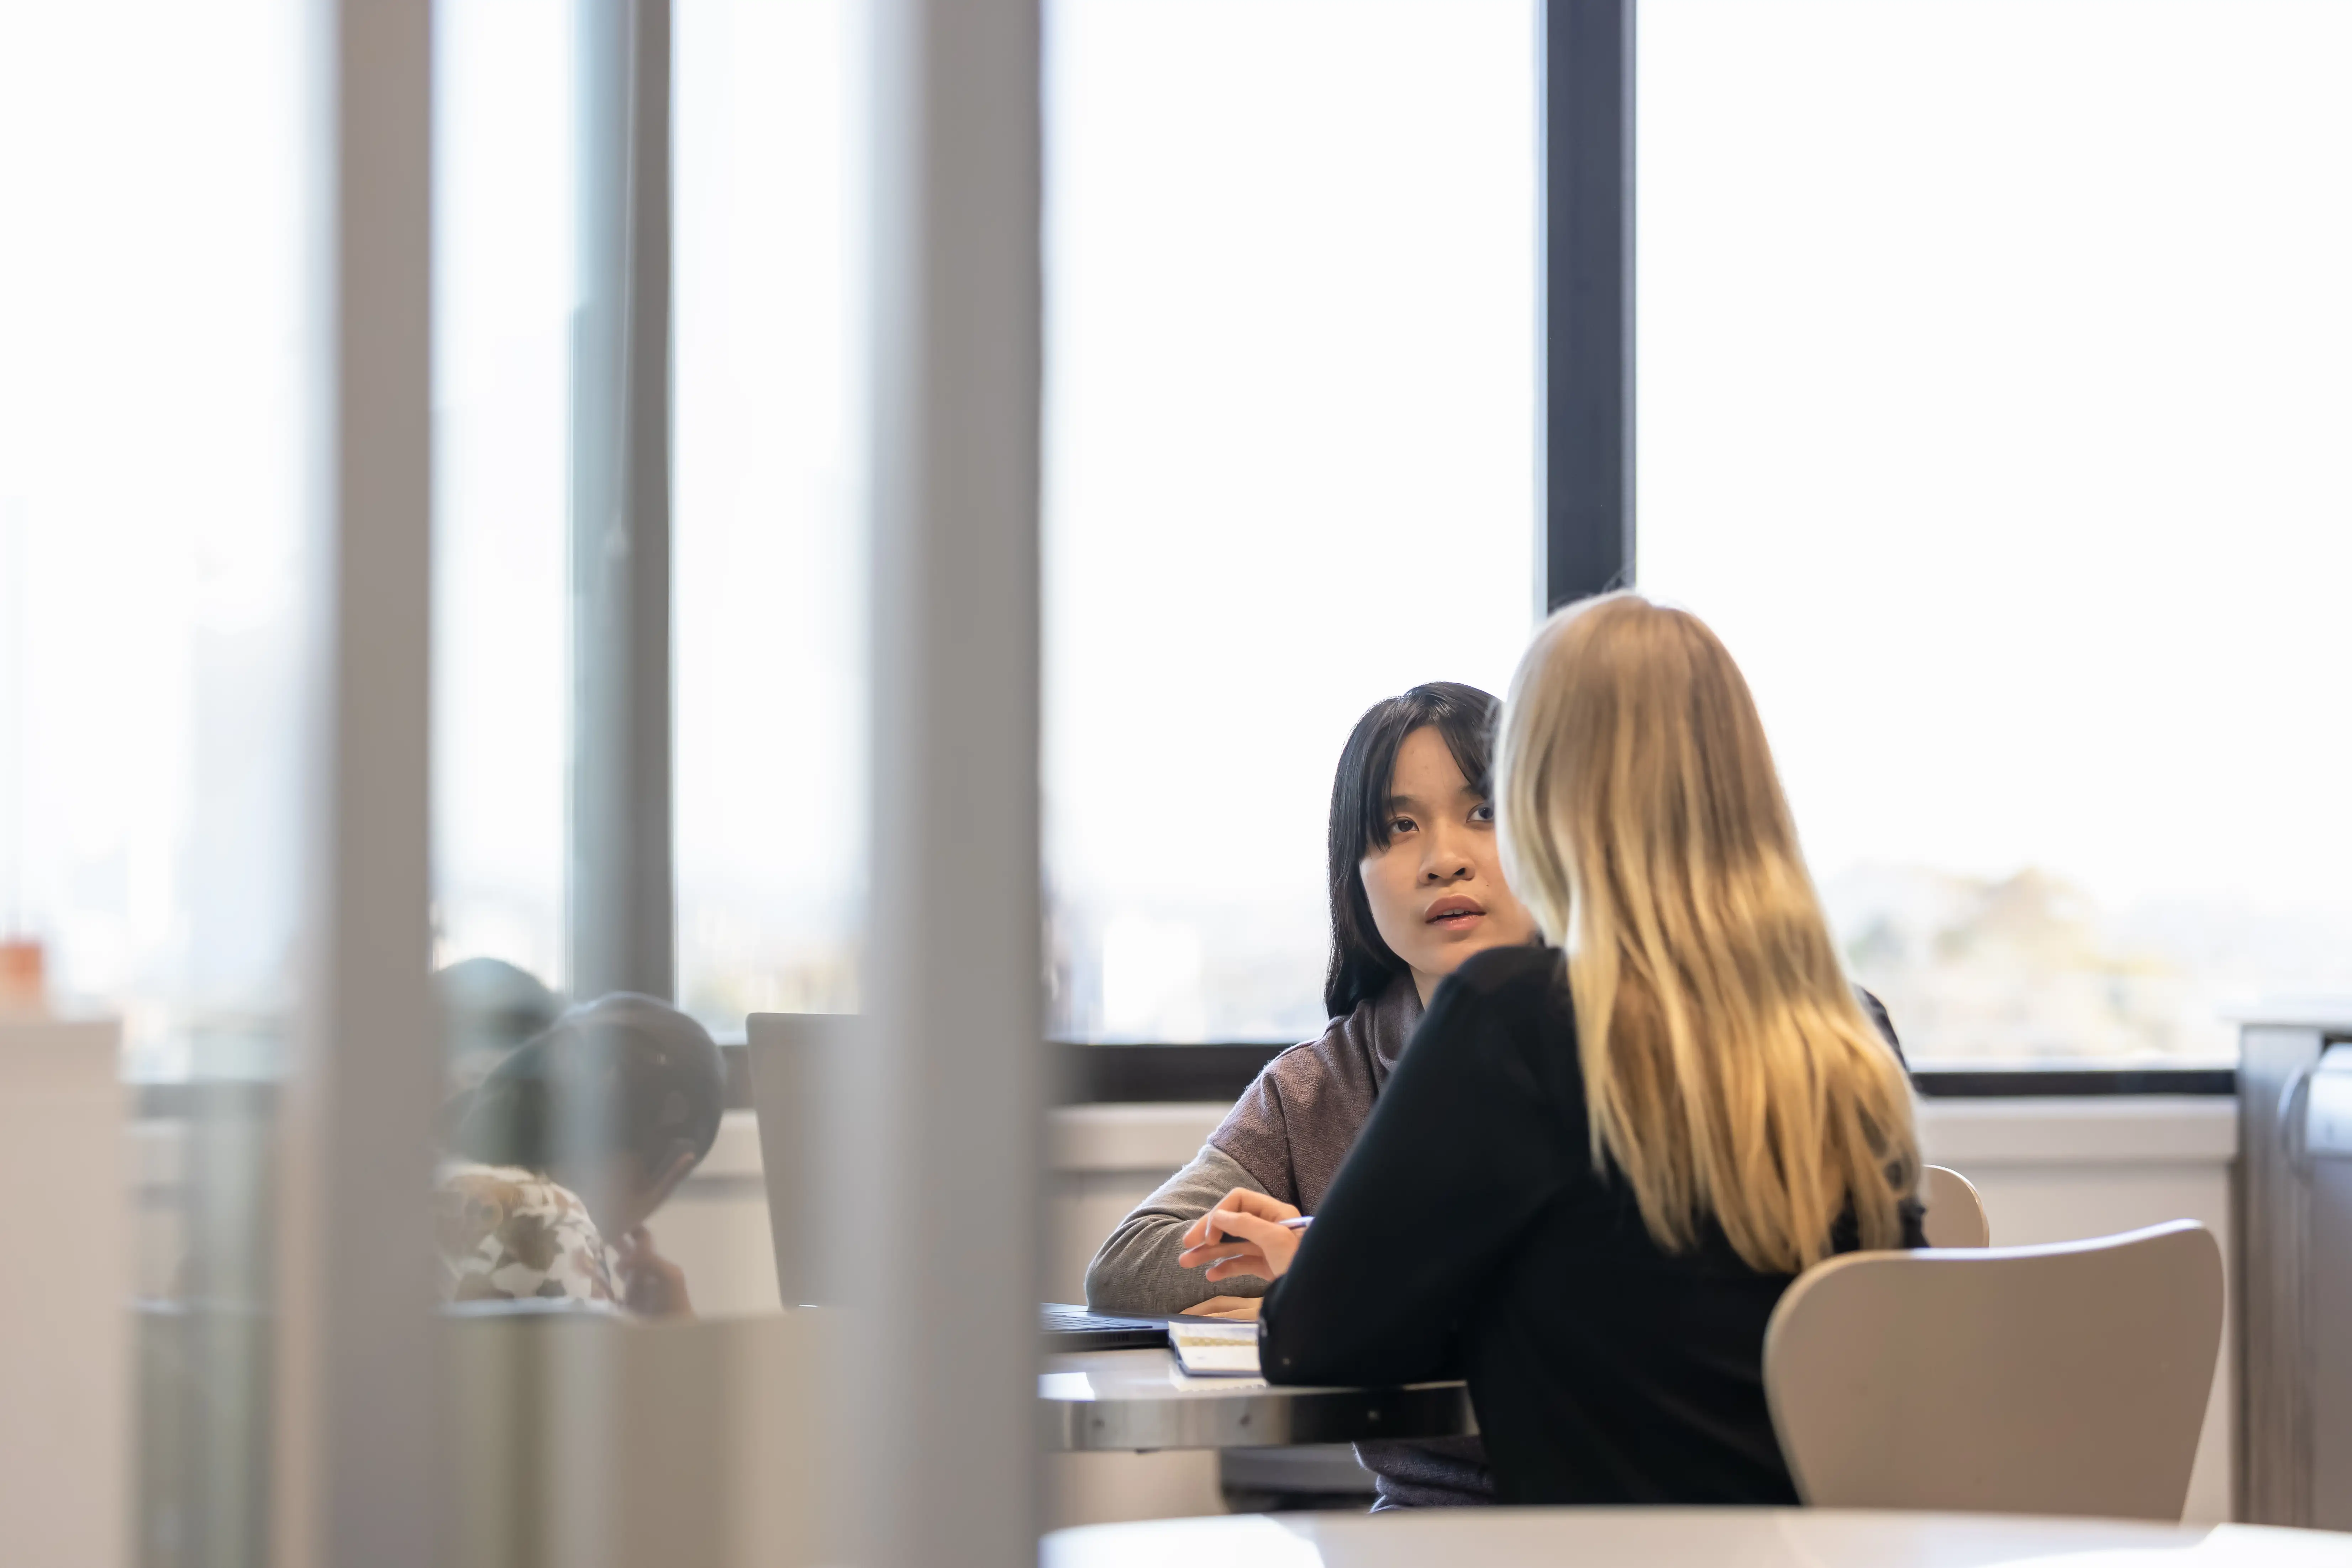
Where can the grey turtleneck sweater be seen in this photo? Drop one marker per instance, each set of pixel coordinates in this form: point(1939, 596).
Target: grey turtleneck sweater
point(1285, 1137)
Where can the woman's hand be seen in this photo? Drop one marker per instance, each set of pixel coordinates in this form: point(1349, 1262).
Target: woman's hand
point(1240, 1309)
point(1241, 1235)
point(651, 1285)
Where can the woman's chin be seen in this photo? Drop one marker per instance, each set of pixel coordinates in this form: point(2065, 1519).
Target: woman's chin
point(1451, 949)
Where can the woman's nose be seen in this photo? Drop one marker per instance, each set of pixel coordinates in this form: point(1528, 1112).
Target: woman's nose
point(1442, 865)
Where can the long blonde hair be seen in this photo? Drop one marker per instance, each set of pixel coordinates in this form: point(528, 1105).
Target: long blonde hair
point(1728, 1067)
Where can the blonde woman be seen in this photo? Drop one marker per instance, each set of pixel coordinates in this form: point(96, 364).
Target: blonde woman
point(1601, 1163)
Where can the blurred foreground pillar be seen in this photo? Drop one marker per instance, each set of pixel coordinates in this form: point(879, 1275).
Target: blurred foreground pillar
point(353, 1480)
point(940, 1180)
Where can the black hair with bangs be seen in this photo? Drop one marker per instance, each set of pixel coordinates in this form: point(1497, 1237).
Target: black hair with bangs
point(1361, 964)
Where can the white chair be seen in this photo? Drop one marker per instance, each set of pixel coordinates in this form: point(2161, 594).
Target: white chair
point(2062, 1379)
point(1956, 1215)
point(793, 1056)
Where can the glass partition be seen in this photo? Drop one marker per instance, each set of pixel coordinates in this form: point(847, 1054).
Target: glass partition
point(158, 596)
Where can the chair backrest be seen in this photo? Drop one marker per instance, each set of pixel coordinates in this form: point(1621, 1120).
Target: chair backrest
point(1956, 1215)
point(2062, 1379)
point(788, 1053)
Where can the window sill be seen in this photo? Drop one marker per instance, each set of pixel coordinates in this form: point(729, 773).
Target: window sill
point(1166, 1074)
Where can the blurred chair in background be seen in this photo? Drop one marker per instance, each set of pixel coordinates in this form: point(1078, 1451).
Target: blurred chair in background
point(1956, 1215)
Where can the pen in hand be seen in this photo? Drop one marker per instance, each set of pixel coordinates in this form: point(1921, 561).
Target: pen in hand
point(1300, 1223)
point(1226, 1242)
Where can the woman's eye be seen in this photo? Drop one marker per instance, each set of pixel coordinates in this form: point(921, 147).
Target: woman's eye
point(1483, 813)
point(1401, 824)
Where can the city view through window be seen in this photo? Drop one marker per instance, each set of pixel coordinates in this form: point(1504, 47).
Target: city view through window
point(2017, 492)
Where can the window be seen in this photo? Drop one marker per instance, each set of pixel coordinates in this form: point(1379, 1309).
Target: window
point(161, 577)
point(769, 587)
point(1991, 408)
point(155, 561)
point(505, 291)
point(1291, 361)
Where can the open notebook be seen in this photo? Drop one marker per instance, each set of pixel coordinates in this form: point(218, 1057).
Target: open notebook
point(1210, 1348)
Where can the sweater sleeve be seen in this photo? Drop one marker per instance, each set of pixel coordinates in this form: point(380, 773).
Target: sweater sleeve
point(1462, 1153)
point(1136, 1269)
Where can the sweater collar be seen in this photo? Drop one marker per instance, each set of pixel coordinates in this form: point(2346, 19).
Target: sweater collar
point(1395, 1014)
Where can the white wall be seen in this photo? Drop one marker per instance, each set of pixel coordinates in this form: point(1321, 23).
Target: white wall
point(2060, 1170)
point(2049, 1170)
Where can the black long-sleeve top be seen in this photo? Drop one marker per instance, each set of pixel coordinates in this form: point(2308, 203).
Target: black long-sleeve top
point(1468, 1235)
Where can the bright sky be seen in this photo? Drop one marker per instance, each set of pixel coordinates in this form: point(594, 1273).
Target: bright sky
point(504, 294)
point(1993, 407)
point(770, 562)
point(151, 445)
point(1291, 460)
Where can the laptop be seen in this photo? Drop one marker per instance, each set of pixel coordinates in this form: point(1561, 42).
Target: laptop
point(1063, 1327)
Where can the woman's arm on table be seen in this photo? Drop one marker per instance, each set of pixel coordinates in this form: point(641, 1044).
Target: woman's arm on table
point(1463, 1149)
point(1136, 1269)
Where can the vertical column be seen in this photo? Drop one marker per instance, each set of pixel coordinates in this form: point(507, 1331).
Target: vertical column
point(1587, 281)
point(2275, 1454)
point(949, 1078)
point(352, 1477)
point(621, 915)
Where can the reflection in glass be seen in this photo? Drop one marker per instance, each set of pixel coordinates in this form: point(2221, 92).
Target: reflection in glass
point(556, 1160)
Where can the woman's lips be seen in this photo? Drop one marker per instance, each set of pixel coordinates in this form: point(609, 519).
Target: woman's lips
point(1454, 913)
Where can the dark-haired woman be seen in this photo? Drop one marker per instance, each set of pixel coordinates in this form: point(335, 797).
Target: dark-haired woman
point(561, 1154)
point(1415, 888)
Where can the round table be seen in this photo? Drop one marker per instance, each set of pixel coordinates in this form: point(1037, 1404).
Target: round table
point(1681, 1538)
point(1140, 1400)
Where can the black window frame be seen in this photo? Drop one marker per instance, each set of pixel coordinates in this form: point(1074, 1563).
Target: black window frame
point(1586, 58)
point(621, 896)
